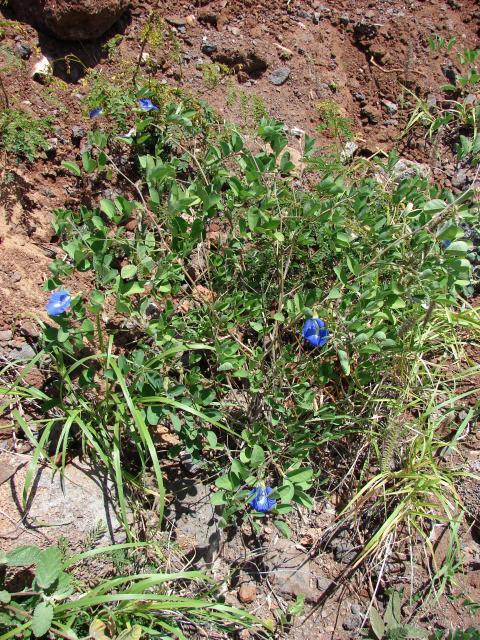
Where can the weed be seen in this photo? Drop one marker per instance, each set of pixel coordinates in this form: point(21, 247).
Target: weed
point(213, 72)
point(331, 121)
point(23, 135)
point(111, 46)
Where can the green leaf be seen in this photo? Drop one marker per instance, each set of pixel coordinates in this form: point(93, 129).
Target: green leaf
point(128, 271)
point(344, 361)
point(224, 482)
point(42, 619)
point(459, 248)
point(108, 208)
point(218, 498)
point(49, 567)
point(258, 456)
point(212, 439)
point(5, 597)
point(23, 556)
point(377, 624)
point(283, 528)
point(300, 475)
point(72, 167)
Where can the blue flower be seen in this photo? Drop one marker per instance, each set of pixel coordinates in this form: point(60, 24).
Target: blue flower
point(260, 500)
point(94, 113)
point(147, 105)
point(315, 332)
point(446, 243)
point(58, 302)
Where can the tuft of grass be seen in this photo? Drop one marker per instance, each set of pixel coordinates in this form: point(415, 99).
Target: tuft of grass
point(23, 135)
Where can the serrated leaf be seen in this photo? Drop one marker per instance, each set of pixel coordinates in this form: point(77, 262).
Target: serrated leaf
point(283, 528)
point(49, 567)
point(23, 556)
point(42, 619)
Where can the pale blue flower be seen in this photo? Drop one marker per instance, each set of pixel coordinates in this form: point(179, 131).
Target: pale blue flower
point(315, 332)
point(58, 302)
point(147, 105)
point(94, 113)
point(260, 500)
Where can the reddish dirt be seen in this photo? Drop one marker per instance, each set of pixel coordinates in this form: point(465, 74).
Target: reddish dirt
point(334, 50)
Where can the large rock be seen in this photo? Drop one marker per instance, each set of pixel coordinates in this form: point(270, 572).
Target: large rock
point(75, 506)
point(71, 19)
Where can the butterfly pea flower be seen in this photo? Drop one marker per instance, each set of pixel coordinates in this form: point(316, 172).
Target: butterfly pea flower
point(58, 302)
point(147, 105)
point(94, 113)
point(315, 332)
point(259, 499)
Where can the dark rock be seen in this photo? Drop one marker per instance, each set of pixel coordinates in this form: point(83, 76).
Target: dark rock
point(360, 97)
point(304, 14)
point(71, 19)
point(370, 114)
point(279, 76)
point(363, 32)
point(248, 60)
point(344, 20)
point(23, 50)
point(208, 47)
point(175, 21)
point(450, 72)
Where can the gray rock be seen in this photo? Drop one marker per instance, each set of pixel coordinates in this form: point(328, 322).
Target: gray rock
point(391, 107)
point(352, 622)
point(431, 101)
point(344, 20)
point(356, 609)
point(279, 76)
point(78, 501)
point(23, 50)
point(78, 133)
point(370, 114)
point(408, 168)
point(18, 351)
point(289, 570)
point(390, 122)
point(460, 179)
point(5, 335)
point(348, 151)
point(195, 521)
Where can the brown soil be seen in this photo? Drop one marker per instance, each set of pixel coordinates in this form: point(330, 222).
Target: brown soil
point(358, 53)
